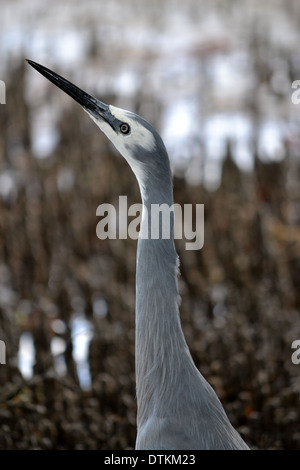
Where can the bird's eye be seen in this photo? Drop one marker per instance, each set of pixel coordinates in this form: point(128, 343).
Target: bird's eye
point(125, 128)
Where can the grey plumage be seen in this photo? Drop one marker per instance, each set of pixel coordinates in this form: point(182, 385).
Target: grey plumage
point(177, 408)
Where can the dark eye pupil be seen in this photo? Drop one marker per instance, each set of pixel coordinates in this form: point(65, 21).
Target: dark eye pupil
point(124, 128)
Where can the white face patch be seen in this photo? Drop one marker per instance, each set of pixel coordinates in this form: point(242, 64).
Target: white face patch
point(138, 135)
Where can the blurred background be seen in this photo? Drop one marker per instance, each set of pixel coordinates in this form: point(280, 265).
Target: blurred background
point(215, 78)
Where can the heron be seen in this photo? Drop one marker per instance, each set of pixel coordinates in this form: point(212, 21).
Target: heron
point(177, 409)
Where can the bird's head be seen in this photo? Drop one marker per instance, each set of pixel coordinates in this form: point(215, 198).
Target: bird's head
point(136, 139)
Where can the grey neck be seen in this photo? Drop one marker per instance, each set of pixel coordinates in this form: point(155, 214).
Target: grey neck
point(160, 342)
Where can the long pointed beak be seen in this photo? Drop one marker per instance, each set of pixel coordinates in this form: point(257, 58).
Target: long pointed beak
point(89, 103)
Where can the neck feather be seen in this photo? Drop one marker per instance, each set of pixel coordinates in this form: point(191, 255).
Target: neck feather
point(160, 343)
